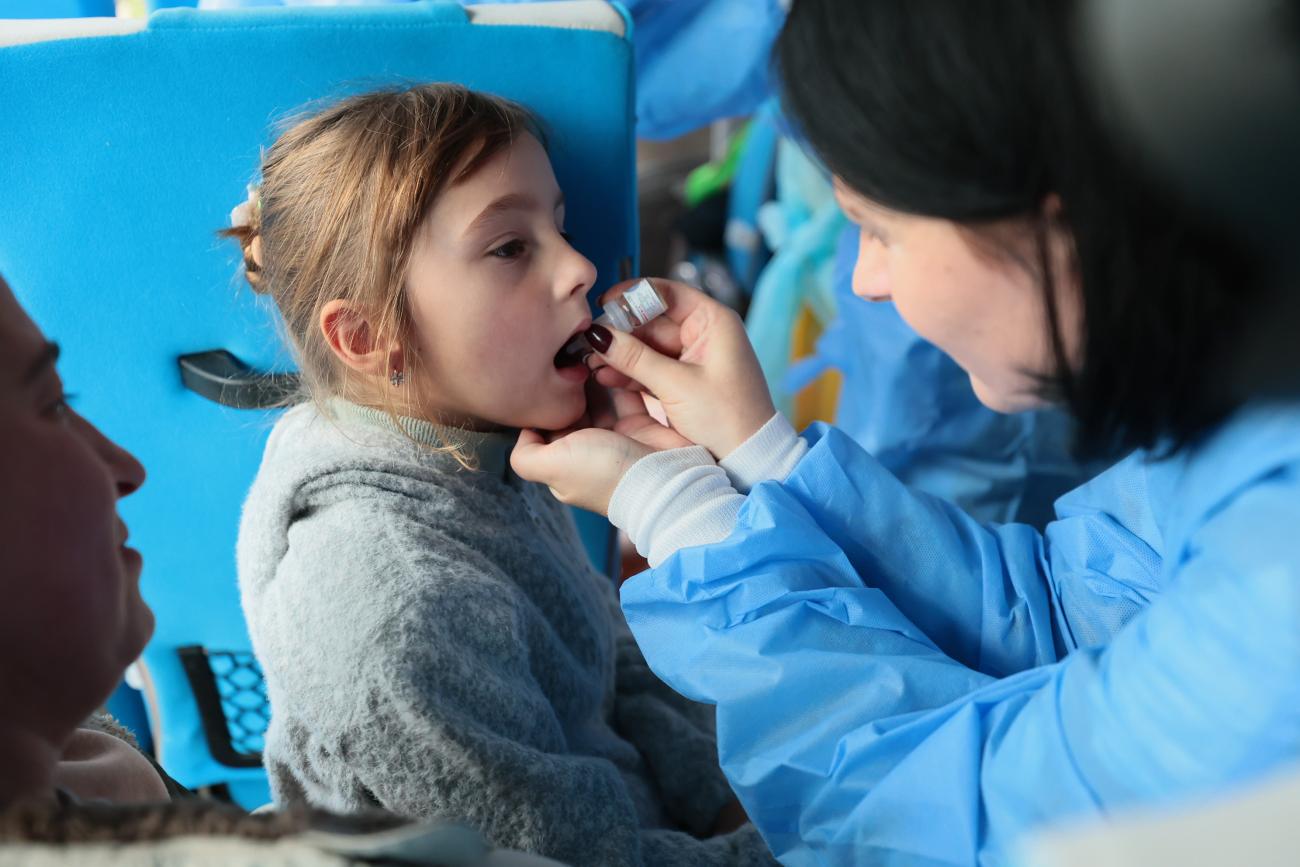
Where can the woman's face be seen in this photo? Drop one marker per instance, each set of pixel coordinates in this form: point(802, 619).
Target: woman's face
point(495, 291)
point(984, 309)
point(72, 619)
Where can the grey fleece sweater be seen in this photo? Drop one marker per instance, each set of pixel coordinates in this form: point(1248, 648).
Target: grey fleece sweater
point(435, 643)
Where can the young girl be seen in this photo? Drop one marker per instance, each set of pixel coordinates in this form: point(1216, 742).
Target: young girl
point(434, 640)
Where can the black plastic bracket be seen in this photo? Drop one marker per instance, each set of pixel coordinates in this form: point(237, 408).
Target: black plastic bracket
point(222, 378)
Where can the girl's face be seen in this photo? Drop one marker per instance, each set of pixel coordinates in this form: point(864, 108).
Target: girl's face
point(984, 310)
point(72, 617)
point(495, 291)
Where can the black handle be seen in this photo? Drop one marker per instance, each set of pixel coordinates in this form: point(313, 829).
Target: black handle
point(224, 379)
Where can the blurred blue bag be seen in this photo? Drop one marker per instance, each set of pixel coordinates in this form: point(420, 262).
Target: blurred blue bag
point(696, 60)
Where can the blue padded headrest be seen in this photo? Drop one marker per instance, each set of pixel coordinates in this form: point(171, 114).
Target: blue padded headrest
point(54, 8)
point(120, 156)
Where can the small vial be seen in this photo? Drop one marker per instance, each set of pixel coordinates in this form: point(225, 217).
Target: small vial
point(627, 312)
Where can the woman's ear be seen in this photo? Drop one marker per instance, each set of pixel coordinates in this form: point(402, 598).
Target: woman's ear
point(1067, 276)
point(351, 336)
point(1062, 253)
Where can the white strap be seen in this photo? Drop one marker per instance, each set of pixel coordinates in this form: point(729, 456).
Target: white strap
point(567, 14)
point(17, 31)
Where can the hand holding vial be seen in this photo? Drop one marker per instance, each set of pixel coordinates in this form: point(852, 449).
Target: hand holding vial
point(695, 358)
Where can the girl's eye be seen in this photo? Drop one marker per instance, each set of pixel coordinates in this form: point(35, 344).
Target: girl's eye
point(509, 250)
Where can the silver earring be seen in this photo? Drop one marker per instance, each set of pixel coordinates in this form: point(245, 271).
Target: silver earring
point(397, 378)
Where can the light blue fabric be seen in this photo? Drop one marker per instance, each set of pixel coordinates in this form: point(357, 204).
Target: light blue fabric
point(695, 61)
point(751, 188)
point(907, 403)
point(898, 684)
point(802, 227)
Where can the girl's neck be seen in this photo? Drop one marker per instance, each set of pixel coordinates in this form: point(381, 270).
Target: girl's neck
point(431, 414)
point(27, 762)
point(468, 423)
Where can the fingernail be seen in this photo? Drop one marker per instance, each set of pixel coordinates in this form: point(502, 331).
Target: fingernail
point(599, 338)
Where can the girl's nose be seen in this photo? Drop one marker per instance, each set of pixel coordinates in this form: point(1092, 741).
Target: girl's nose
point(578, 274)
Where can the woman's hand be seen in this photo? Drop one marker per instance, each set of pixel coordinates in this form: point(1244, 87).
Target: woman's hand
point(698, 361)
point(583, 467)
point(731, 817)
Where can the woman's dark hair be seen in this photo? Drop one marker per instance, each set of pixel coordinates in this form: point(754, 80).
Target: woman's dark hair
point(976, 113)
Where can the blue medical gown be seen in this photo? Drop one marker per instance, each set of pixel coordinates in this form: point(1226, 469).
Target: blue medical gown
point(897, 683)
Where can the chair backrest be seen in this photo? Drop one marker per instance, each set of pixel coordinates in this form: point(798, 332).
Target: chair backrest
point(55, 8)
point(123, 147)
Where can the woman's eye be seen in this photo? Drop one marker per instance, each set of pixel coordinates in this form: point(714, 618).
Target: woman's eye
point(510, 250)
point(870, 236)
point(61, 409)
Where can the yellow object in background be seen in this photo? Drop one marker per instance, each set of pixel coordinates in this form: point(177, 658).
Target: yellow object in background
point(132, 9)
point(820, 399)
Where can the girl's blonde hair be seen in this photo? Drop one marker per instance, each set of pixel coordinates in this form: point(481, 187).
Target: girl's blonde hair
point(343, 192)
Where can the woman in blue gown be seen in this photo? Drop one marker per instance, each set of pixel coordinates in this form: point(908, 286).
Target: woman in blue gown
point(895, 682)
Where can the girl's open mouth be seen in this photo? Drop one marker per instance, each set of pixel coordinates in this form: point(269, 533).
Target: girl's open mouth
point(575, 349)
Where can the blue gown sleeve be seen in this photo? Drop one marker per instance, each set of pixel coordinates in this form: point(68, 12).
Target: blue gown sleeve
point(852, 736)
point(998, 598)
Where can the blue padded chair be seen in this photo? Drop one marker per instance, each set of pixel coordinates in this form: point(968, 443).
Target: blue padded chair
point(126, 143)
point(57, 8)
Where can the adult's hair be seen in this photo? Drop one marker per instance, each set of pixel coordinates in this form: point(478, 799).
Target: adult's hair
point(977, 113)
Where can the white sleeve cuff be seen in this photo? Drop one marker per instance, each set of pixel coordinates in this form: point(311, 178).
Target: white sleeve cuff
point(769, 455)
point(673, 500)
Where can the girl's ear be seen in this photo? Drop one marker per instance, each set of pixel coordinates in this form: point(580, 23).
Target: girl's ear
point(351, 337)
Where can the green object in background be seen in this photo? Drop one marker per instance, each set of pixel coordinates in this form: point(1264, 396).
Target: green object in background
point(712, 178)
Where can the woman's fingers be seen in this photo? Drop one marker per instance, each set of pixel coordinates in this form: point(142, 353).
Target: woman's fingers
point(663, 334)
point(582, 468)
point(615, 381)
point(651, 433)
point(529, 438)
point(682, 300)
point(600, 406)
point(636, 420)
point(611, 378)
point(627, 403)
point(634, 359)
point(698, 361)
point(537, 460)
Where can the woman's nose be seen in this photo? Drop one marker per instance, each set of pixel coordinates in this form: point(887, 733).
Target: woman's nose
point(872, 295)
point(127, 472)
point(871, 273)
